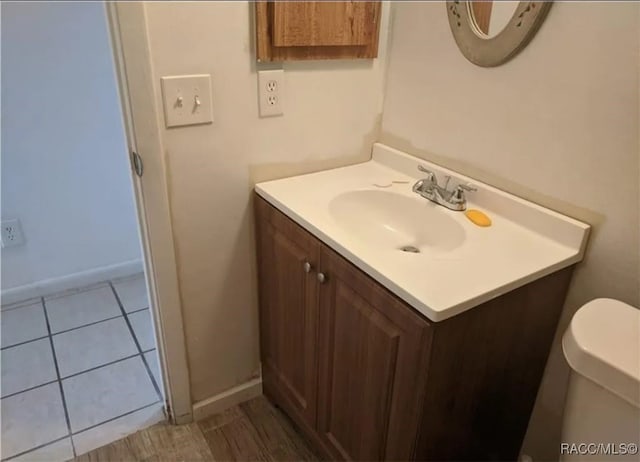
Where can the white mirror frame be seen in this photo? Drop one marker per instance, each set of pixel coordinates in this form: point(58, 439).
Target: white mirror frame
point(493, 51)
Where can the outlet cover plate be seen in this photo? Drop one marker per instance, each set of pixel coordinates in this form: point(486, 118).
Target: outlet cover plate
point(187, 100)
point(271, 92)
point(12, 233)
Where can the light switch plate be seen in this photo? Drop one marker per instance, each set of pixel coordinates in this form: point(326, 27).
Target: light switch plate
point(187, 99)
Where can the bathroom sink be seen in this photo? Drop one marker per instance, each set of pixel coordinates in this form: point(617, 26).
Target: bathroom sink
point(387, 219)
point(434, 258)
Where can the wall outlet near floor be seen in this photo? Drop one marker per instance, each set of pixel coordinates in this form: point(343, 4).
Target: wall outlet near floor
point(11, 233)
point(270, 92)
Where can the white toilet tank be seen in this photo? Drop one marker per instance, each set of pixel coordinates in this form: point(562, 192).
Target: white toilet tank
point(602, 411)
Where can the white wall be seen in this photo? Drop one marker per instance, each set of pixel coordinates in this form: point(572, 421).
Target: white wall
point(65, 171)
point(331, 117)
point(558, 125)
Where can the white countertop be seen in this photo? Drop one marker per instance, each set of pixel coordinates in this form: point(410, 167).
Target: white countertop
point(524, 243)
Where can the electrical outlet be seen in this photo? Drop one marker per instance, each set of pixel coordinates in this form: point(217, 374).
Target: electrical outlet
point(11, 233)
point(270, 92)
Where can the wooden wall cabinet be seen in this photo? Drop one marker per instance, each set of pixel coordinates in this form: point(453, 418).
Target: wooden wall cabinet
point(288, 31)
point(366, 377)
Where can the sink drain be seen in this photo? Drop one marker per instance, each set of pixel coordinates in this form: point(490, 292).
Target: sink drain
point(410, 249)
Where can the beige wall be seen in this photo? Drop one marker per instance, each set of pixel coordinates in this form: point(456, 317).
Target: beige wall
point(558, 125)
point(332, 114)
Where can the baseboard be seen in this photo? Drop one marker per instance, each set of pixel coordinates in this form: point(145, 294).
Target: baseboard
point(70, 281)
point(226, 399)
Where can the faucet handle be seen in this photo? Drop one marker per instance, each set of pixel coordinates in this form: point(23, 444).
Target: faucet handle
point(467, 187)
point(431, 177)
point(458, 197)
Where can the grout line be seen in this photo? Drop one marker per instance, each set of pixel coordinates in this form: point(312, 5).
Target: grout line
point(66, 293)
point(135, 311)
point(50, 335)
point(68, 330)
point(86, 325)
point(35, 448)
point(22, 304)
point(131, 277)
point(75, 374)
point(110, 363)
point(76, 290)
point(55, 363)
point(30, 388)
point(24, 343)
point(115, 418)
point(135, 339)
point(153, 379)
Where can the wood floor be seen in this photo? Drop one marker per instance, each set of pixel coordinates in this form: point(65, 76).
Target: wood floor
point(254, 430)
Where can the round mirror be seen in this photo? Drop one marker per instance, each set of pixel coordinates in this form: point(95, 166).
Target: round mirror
point(490, 32)
point(489, 18)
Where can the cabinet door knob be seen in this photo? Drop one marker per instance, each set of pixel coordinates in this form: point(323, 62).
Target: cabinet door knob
point(321, 278)
point(307, 267)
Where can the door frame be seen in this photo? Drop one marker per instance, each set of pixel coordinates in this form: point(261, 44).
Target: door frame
point(130, 45)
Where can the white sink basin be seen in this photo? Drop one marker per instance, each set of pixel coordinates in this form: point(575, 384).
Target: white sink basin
point(367, 212)
point(391, 220)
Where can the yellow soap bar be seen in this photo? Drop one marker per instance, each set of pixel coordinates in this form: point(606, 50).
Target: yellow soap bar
point(478, 218)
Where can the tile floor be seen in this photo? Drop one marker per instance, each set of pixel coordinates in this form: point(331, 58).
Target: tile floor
point(79, 370)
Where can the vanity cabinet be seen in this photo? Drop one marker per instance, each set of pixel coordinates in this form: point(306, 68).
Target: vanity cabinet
point(339, 352)
point(367, 377)
point(370, 347)
point(287, 31)
point(288, 291)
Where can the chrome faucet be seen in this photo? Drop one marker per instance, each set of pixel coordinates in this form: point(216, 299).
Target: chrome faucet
point(429, 189)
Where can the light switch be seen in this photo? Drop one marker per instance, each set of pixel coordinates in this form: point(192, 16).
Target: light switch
point(187, 99)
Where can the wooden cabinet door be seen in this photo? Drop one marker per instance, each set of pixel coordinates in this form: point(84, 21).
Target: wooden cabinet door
point(317, 30)
point(373, 363)
point(288, 311)
point(345, 23)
